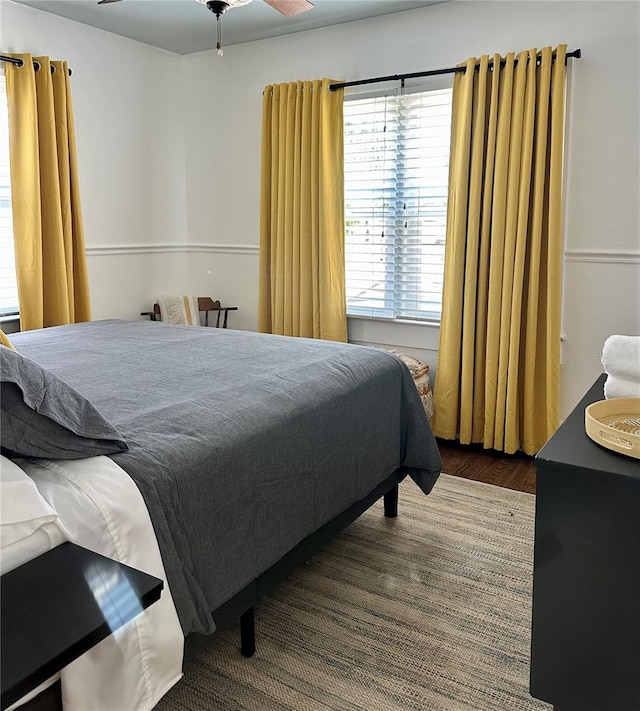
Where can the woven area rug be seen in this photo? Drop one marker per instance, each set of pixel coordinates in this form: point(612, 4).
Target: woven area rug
point(428, 611)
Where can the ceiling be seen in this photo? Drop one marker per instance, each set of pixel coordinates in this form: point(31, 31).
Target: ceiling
point(186, 26)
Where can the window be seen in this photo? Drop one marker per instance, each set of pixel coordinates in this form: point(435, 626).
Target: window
point(8, 287)
point(396, 176)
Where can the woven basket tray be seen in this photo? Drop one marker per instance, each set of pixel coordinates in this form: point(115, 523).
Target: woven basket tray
point(615, 424)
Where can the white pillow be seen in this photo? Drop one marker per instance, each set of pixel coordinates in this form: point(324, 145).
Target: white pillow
point(28, 524)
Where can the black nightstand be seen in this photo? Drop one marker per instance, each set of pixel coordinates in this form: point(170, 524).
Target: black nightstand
point(60, 604)
point(585, 643)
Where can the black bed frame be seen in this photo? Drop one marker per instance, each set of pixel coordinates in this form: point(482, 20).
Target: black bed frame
point(242, 604)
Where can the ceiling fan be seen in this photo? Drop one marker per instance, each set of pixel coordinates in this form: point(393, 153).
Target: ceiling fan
point(289, 8)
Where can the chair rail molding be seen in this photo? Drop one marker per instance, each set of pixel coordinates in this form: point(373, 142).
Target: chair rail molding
point(109, 250)
point(174, 248)
point(248, 249)
point(610, 256)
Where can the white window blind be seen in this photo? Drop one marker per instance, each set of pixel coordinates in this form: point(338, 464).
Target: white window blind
point(8, 288)
point(396, 176)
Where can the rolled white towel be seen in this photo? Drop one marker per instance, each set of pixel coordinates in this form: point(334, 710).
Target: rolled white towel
point(621, 357)
point(615, 386)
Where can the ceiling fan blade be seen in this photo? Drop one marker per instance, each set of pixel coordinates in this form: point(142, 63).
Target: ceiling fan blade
point(105, 2)
point(290, 7)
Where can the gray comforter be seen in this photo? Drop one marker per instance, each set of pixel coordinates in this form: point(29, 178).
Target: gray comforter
point(241, 444)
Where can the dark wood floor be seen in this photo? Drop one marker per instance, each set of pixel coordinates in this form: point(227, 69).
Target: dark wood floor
point(513, 471)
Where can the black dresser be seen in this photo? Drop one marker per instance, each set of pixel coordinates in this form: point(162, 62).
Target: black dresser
point(585, 642)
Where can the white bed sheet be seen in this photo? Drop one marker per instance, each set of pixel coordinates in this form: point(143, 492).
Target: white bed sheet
point(101, 509)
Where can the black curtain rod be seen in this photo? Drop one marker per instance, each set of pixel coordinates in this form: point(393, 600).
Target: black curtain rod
point(577, 53)
point(19, 62)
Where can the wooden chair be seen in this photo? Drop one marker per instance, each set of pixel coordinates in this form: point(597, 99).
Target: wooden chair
point(206, 304)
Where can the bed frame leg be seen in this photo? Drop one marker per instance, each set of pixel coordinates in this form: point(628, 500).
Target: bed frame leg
point(247, 633)
point(391, 502)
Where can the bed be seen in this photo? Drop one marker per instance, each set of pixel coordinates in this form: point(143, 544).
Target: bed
point(249, 450)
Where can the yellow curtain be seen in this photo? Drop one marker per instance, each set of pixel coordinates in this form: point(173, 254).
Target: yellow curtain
point(51, 266)
point(498, 376)
point(302, 271)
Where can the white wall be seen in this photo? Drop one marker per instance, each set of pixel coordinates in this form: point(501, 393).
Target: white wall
point(131, 155)
point(169, 151)
point(602, 284)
